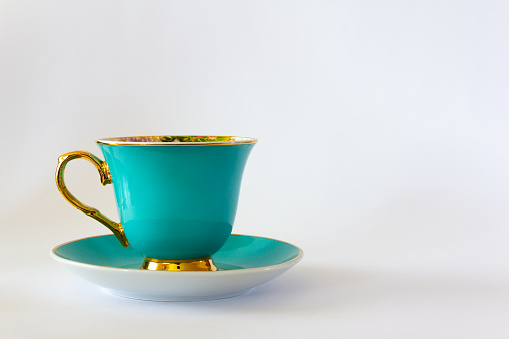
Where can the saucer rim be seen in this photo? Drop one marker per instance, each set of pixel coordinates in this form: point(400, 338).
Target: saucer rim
point(290, 262)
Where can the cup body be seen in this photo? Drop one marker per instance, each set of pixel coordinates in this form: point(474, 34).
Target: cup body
point(176, 201)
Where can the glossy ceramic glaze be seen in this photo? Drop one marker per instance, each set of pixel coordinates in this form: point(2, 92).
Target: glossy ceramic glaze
point(244, 262)
point(176, 201)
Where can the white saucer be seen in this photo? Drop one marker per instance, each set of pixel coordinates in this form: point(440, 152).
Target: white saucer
point(244, 262)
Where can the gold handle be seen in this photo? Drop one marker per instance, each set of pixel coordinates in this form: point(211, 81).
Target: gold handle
point(92, 212)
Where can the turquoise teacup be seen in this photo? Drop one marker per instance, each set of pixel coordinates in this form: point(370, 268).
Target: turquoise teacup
point(176, 195)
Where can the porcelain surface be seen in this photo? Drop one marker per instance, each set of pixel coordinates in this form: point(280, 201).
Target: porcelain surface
point(177, 202)
point(244, 262)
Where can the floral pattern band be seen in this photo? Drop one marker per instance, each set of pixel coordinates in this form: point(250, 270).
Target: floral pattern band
point(178, 138)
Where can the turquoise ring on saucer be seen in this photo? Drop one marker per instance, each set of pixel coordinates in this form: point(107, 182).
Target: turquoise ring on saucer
point(243, 263)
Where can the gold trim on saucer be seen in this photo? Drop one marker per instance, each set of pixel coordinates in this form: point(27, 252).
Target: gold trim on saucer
point(201, 264)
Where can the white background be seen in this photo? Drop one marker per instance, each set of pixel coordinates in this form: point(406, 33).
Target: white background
point(382, 153)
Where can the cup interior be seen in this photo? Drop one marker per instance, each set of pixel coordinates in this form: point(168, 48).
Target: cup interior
point(177, 139)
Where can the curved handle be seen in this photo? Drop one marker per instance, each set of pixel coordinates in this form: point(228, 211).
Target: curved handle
point(92, 212)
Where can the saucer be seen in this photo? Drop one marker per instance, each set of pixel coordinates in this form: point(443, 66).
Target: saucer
point(243, 263)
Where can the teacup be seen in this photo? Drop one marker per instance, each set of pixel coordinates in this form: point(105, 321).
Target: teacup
point(176, 196)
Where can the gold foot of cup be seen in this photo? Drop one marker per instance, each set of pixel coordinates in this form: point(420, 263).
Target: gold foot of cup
point(202, 264)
